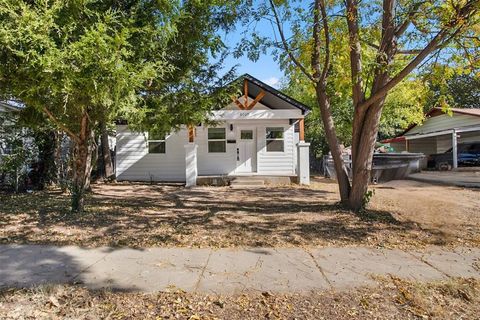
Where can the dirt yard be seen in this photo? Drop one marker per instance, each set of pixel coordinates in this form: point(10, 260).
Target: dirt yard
point(392, 299)
point(401, 214)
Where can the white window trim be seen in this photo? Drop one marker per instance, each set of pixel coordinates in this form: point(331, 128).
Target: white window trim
point(224, 141)
point(156, 140)
point(274, 139)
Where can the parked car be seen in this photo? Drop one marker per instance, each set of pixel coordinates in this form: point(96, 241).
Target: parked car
point(468, 154)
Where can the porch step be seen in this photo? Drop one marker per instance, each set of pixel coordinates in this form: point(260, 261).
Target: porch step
point(247, 182)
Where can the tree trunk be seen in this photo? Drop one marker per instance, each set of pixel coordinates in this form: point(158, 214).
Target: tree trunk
point(331, 135)
point(48, 140)
point(106, 155)
point(82, 165)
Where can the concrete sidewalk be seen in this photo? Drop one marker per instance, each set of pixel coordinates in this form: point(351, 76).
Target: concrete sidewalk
point(228, 270)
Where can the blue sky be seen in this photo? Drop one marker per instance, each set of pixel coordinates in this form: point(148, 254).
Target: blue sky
point(265, 69)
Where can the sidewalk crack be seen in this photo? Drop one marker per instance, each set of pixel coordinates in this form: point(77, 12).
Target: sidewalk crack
point(429, 264)
point(318, 267)
point(203, 272)
point(89, 266)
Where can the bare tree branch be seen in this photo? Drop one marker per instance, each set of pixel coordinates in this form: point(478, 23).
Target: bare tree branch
point(316, 41)
point(355, 51)
point(60, 125)
point(439, 41)
point(404, 72)
point(405, 24)
point(405, 51)
point(326, 33)
point(285, 44)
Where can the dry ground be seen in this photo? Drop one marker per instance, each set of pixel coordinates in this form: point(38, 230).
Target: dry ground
point(392, 299)
point(401, 214)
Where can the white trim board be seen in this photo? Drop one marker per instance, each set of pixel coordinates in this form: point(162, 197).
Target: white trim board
point(256, 114)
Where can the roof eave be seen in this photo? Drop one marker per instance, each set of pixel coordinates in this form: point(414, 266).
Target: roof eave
point(305, 110)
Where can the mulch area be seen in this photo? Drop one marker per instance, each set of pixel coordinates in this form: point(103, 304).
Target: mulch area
point(392, 299)
point(146, 215)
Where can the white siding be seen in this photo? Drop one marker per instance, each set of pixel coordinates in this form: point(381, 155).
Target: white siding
point(133, 162)
point(277, 163)
point(444, 122)
point(214, 163)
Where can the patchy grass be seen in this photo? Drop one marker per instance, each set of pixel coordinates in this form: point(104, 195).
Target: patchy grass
point(392, 299)
point(144, 215)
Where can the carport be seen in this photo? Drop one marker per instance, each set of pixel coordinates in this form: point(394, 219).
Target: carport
point(440, 132)
point(443, 140)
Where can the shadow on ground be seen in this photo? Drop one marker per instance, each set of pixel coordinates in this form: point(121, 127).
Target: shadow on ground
point(25, 266)
point(139, 215)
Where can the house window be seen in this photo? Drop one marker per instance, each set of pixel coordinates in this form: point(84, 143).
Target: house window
point(275, 140)
point(246, 134)
point(216, 140)
point(156, 143)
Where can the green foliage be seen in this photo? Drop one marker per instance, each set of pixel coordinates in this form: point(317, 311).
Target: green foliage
point(77, 56)
point(86, 62)
point(367, 197)
point(403, 107)
point(404, 104)
point(342, 109)
point(454, 88)
point(132, 59)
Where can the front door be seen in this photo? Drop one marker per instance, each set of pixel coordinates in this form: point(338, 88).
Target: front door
point(246, 150)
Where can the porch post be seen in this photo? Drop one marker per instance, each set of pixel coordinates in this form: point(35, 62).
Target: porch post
point(454, 149)
point(191, 171)
point(303, 163)
point(301, 127)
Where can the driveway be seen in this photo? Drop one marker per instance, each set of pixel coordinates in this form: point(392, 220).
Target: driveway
point(466, 179)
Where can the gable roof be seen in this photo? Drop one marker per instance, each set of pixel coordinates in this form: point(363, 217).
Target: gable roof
point(437, 111)
point(274, 99)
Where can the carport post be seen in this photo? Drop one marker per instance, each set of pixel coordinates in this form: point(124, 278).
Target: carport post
point(454, 149)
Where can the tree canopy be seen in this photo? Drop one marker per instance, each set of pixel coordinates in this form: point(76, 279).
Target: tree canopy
point(81, 62)
point(385, 42)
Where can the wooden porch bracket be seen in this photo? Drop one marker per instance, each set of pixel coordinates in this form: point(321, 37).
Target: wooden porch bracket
point(257, 99)
point(238, 103)
point(245, 105)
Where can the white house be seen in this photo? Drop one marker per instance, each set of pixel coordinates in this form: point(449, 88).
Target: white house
point(5, 108)
point(261, 133)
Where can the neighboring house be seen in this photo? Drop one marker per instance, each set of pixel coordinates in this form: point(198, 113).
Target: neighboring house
point(4, 109)
point(261, 135)
point(439, 133)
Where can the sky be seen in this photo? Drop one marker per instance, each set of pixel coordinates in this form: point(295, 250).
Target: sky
point(265, 69)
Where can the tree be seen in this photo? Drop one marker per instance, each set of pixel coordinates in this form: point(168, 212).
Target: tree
point(453, 88)
point(107, 164)
point(404, 105)
point(85, 62)
point(435, 24)
point(403, 35)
